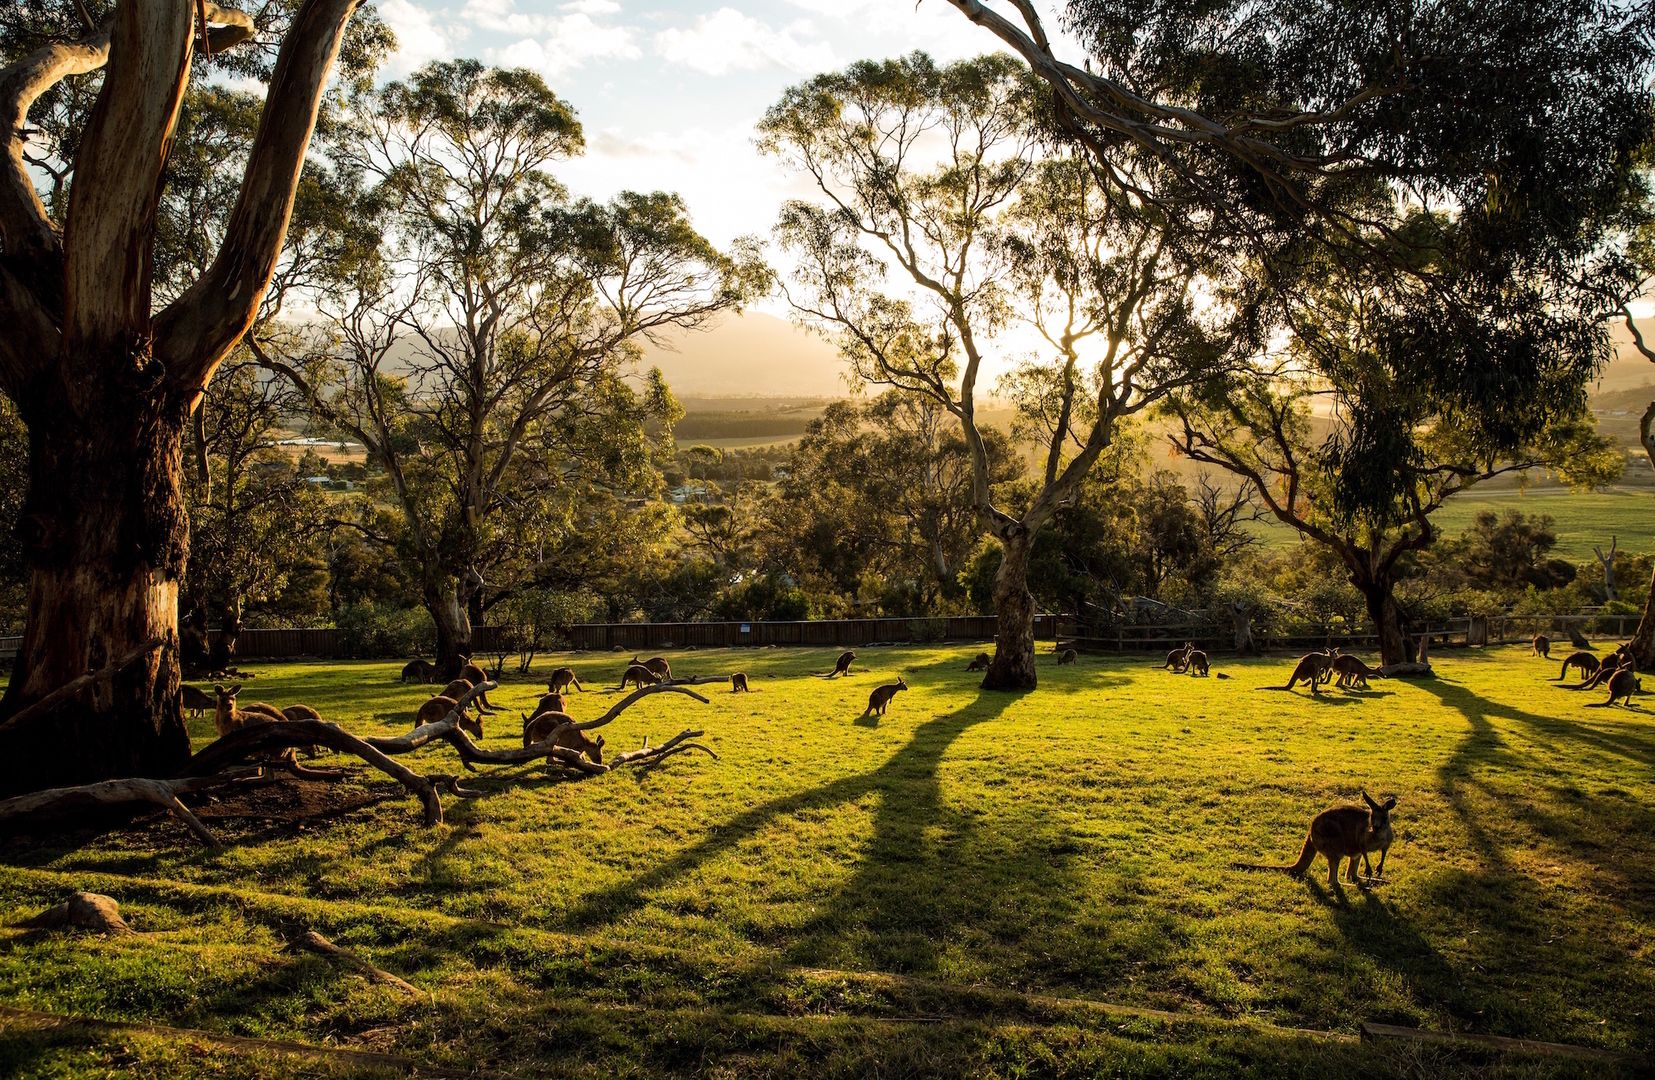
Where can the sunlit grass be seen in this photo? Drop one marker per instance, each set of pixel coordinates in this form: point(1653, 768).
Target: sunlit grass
point(1074, 842)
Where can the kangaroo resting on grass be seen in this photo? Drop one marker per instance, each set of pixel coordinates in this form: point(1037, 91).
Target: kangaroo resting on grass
point(537, 729)
point(1343, 832)
point(563, 678)
point(439, 707)
point(1542, 646)
point(980, 662)
point(882, 695)
point(1353, 673)
point(1068, 656)
point(228, 717)
point(738, 683)
point(841, 666)
point(640, 675)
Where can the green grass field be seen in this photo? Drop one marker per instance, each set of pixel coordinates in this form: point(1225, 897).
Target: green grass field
point(953, 890)
point(1580, 519)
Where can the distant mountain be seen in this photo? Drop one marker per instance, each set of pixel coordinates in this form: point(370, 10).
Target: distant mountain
point(750, 355)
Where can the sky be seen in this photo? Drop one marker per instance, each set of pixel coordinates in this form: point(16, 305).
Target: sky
point(670, 91)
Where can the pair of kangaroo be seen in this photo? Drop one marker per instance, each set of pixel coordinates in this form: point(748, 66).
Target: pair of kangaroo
point(549, 721)
point(1319, 667)
point(1344, 832)
point(1617, 671)
point(1187, 659)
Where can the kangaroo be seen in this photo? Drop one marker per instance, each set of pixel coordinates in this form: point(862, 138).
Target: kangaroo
point(1343, 832)
point(476, 676)
point(738, 683)
point(563, 678)
point(1179, 658)
point(1353, 673)
point(457, 689)
point(1622, 685)
point(1542, 646)
point(1068, 656)
point(417, 671)
point(882, 695)
point(841, 666)
point(1312, 668)
point(196, 702)
point(228, 717)
point(980, 662)
point(537, 729)
point(439, 707)
point(637, 673)
point(659, 665)
point(1615, 661)
point(1585, 661)
point(1196, 662)
point(549, 703)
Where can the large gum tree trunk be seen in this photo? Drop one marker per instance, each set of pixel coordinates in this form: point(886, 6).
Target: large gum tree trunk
point(105, 537)
point(1380, 597)
point(1013, 665)
point(453, 623)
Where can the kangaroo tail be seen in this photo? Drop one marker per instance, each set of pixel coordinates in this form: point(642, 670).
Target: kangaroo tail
point(1305, 858)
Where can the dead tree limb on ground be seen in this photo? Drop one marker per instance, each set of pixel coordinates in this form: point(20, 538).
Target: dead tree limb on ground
point(106, 793)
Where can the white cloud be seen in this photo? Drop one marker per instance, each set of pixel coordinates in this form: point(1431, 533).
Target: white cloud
point(553, 44)
point(419, 39)
point(728, 40)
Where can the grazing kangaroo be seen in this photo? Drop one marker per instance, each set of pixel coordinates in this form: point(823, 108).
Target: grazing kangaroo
point(738, 683)
point(418, 671)
point(1312, 668)
point(882, 695)
point(1179, 658)
point(1353, 673)
point(549, 703)
point(563, 678)
point(637, 673)
point(1585, 661)
point(1196, 662)
point(841, 666)
point(1622, 685)
point(1343, 832)
point(197, 702)
point(657, 664)
point(476, 676)
point(457, 689)
point(980, 662)
point(1619, 660)
point(1542, 646)
point(1067, 657)
point(439, 707)
point(537, 729)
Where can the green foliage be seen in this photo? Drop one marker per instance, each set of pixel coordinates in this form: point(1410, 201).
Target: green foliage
point(372, 632)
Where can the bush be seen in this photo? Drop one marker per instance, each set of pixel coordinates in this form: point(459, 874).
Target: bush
point(368, 632)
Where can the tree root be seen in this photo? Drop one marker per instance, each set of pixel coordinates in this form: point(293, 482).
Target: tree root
point(311, 941)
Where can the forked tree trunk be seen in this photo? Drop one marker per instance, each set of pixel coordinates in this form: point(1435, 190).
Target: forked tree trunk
point(453, 623)
point(1241, 619)
point(105, 538)
point(1013, 665)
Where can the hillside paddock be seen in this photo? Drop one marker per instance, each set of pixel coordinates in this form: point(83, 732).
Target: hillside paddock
point(976, 884)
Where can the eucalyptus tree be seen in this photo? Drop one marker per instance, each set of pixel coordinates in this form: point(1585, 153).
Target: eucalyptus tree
point(479, 349)
point(947, 217)
point(103, 368)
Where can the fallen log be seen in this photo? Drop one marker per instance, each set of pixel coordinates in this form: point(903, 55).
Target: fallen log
point(104, 793)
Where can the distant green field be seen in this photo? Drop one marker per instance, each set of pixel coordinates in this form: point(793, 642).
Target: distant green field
point(955, 889)
point(1581, 519)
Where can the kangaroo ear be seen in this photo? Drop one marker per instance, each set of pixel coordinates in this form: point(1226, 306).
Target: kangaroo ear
point(1368, 799)
point(1390, 803)
point(236, 689)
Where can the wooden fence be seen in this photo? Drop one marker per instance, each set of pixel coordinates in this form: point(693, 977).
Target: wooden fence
point(1219, 636)
point(820, 632)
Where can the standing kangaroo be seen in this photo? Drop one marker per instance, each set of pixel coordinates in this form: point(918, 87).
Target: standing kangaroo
point(882, 695)
point(1585, 661)
point(1353, 673)
point(1312, 668)
point(1195, 662)
point(561, 679)
point(197, 702)
point(476, 676)
point(657, 664)
point(1343, 832)
point(841, 666)
point(639, 675)
point(738, 683)
point(1179, 658)
point(1542, 646)
point(980, 662)
point(417, 671)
